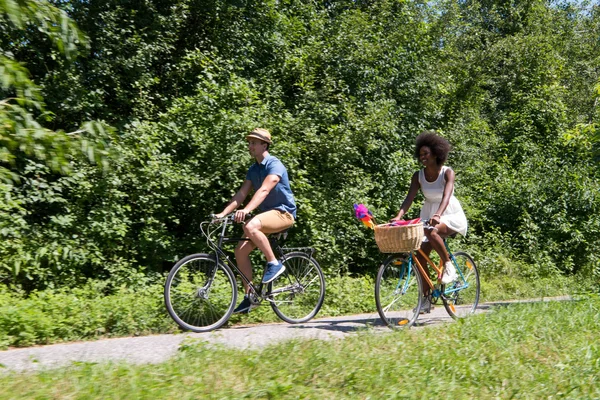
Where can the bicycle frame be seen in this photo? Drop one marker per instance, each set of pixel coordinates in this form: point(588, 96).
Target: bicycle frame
point(403, 283)
point(220, 254)
point(438, 268)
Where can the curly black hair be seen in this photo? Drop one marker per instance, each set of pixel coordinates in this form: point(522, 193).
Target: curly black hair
point(439, 146)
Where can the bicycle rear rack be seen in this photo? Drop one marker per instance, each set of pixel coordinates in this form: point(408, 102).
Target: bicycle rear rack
point(310, 251)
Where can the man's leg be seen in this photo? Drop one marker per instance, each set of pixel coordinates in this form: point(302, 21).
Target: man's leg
point(242, 258)
point(252, 229)
point(258, 227)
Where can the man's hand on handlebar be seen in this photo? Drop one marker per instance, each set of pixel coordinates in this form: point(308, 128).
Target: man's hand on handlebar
point(240, 215)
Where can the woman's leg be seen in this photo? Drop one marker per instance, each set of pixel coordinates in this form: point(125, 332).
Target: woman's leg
point(436, 239)
point(426, 247)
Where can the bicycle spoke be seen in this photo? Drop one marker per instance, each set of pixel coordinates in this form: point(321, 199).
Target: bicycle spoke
point(199, 294)
point(297, 295)
point(397, 293)
point(461, 298)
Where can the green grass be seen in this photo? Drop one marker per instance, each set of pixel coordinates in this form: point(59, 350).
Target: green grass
point(528, 351)
point(517, 288)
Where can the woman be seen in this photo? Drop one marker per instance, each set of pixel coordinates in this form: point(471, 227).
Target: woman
point(441, 208)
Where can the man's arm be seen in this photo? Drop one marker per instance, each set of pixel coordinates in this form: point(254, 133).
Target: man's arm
point(268, 184)
point(237, 198)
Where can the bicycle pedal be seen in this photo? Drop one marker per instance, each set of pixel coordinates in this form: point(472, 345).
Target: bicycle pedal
point(254, 300)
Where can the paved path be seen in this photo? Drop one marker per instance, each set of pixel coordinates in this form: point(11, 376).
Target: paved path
point(159, 348)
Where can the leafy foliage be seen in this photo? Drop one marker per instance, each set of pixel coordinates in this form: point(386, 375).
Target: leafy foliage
point(344, 86)
point(84, 313)
point(21, 135)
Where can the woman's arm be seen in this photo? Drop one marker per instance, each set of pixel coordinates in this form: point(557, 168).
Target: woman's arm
point(410, 197)
point(448, 189)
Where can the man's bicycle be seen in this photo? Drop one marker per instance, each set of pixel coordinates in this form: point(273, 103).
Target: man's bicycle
point(201, 290)
point(401, 278)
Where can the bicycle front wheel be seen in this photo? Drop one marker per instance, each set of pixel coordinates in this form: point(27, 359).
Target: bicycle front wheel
point(297, 295)
point(462, 296)
point(398, 292)
point(199, 293)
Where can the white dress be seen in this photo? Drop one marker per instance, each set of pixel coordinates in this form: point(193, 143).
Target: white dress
point(454, 216)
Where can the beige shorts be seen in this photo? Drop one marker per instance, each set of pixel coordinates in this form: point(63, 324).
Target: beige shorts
point(275, 221)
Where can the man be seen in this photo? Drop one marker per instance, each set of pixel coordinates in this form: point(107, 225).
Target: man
point(273, 197)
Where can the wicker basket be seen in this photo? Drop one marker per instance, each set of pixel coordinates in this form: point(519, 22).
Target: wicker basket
point(399, 239)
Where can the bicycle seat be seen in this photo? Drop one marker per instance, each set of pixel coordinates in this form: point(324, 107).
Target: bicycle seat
point(278, 235)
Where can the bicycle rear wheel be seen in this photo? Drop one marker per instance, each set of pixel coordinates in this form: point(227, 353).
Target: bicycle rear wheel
point(297, 295)
point(462, 296)
point(199, 293)
point(398, 292)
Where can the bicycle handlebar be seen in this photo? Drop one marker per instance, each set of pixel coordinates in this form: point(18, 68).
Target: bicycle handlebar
point(427, 226)
point(214, 219)
point(227, 218)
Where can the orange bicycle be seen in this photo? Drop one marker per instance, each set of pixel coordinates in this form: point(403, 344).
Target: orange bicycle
point(403, 283)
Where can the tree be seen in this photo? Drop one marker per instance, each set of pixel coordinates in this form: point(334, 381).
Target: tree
point(22, 107)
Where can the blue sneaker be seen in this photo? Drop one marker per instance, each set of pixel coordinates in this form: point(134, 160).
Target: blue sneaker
point(244, 307)
point(272, 271)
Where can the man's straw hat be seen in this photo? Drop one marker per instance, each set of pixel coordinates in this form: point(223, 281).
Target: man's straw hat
point(261, 134)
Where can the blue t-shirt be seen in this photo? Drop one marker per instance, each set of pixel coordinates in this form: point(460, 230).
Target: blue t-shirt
point(280, 197)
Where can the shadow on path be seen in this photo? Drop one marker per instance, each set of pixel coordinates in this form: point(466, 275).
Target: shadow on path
point(348, 325)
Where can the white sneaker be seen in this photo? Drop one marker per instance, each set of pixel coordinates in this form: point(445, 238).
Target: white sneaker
point(449, 273)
